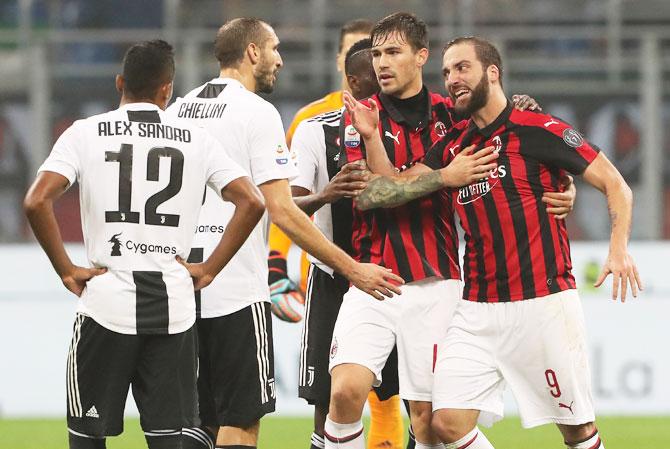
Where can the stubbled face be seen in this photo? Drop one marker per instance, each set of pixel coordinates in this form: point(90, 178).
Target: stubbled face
point(465, 79)
point(348, 40)
point(265, 72)
point(397, 65)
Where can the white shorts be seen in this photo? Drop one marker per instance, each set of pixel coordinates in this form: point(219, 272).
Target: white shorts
point(537, 346)
point(416, 321)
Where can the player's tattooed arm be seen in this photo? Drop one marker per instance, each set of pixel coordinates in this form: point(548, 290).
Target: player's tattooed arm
point(383, 191)
point(605, 177)
point(465, 168)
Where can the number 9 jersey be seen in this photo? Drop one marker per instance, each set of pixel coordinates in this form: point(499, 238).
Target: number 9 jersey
point(142, 176)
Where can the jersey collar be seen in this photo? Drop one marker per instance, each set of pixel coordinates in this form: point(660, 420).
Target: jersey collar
point(139, 106)
point(497, 123)
point(229, 81)
point(398, 117)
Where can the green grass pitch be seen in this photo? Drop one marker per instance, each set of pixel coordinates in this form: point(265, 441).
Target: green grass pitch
point(293, 433)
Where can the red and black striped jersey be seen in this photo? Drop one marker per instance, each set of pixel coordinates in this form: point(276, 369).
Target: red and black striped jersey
point(515, 249)
point(417, 240)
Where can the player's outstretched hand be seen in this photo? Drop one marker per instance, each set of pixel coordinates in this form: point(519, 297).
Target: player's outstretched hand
point(467, 167)
point(349, 182)
point(624, 273)
point(76, 278)
point(199, 272)
point(376, 281)
point(523, 102)
point(560, 204)
point(365, 119)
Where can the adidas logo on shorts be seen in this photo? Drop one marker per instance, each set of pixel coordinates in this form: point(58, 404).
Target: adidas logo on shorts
point(92, 412)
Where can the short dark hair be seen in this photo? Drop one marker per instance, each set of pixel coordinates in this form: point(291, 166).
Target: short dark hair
point(234, 37)
point(486, 52)
point(356, 50)
point(146, 67)
point(363, 26)
point(412, 30)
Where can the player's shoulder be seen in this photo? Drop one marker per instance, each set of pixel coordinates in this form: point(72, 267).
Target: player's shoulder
point(437, 99)
point(544, 124)
point(331, 118)
point(328, 103)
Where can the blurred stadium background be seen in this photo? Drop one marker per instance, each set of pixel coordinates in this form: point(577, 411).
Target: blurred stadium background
point(603, 65)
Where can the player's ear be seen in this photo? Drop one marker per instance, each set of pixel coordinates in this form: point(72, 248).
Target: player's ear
point(120, 82)
point(421, 57)
point(166, 93)
point(493, 73)
point(352, 81)
point(254, 53)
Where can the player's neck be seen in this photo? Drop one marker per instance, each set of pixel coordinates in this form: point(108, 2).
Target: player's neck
point(412, 89)
point(497, 102)
point(245, 77)
point(129, 100)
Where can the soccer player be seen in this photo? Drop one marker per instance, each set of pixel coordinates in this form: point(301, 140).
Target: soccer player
point(418, 241)
point(521, 321)
point(236, 379)
point(385, 417)
point(324, 190)
point(141, 176)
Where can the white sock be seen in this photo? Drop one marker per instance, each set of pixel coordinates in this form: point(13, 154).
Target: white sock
point(473, 440)
point(317, 441)
point(593, 442)
point(428, 446)
point(343, 436)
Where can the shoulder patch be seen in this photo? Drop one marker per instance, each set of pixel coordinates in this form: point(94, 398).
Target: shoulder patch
point(572, 138)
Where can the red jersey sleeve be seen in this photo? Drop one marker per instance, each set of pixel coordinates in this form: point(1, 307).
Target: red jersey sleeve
point(556, 143)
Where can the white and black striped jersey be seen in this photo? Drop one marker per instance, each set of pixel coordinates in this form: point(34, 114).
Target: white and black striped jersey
point(252, 131)
point(141, 180)
point(316, 144)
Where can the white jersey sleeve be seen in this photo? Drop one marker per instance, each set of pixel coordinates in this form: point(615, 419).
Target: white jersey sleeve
point(309, 147)
point(221, 169)
point(64, 157)
point(269, 155)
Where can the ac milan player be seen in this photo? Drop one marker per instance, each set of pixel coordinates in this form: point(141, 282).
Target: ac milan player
point(521, 322)
point(417, 241)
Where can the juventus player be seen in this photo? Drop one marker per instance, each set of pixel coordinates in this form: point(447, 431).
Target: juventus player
point(141, 177)
point(325, 190)
point(236, 377)
point(521, 321)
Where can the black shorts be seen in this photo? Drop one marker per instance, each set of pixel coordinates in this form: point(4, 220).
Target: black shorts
point(324, 298)
point(236, 385)
point(102, 364)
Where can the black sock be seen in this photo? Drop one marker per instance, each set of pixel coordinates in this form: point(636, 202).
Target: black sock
point(411, 441)
point(197, 438)
point(82, 442)
point(163, 439)
point(317, 441)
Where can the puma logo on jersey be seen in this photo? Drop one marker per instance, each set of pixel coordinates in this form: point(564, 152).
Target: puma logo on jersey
point(396, 137)
point(569, 407)
point(550, 122)
point(453, 149)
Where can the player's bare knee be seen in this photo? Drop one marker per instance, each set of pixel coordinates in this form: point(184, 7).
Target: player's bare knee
point(449, 426)
point(421, 414)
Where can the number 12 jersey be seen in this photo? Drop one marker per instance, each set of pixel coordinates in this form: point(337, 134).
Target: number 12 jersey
point(142, 176)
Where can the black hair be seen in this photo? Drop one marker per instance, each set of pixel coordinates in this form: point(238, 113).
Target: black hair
point(358, 49)
point(146, 67)
point(410, 28)
point(486, 52)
